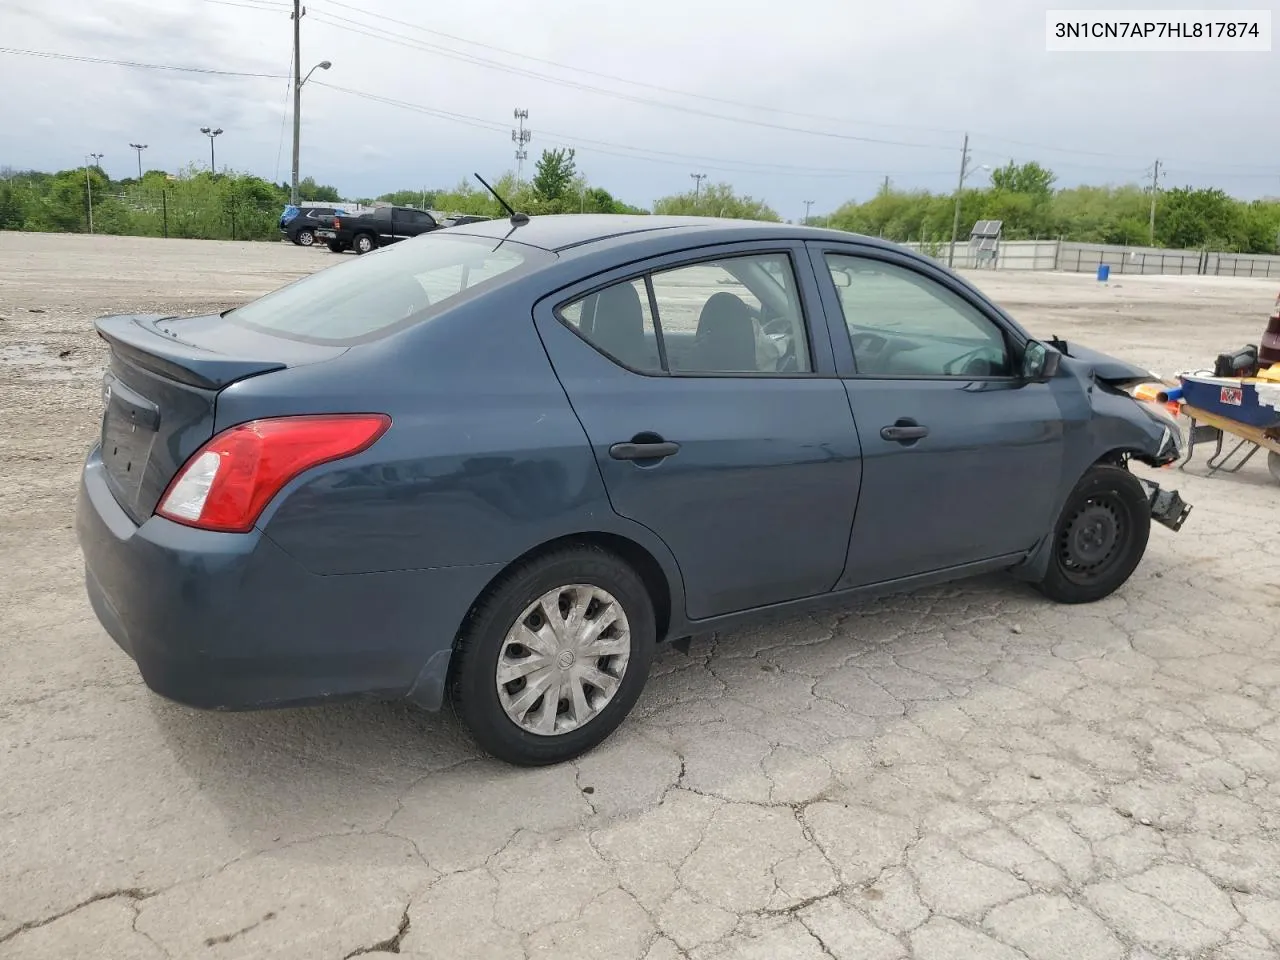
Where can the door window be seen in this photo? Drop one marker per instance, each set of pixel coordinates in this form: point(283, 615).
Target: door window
point(617, 321)
point(904, 324)
point(733, 315)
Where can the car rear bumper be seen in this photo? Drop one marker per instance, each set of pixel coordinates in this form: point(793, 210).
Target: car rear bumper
point(232, 622)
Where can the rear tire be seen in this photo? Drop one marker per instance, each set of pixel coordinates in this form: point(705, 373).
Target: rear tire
point(336, 247)
point(364, 243)
point(595, 672)
point(1099, 538)
point(305, 238)
point(1273, 464)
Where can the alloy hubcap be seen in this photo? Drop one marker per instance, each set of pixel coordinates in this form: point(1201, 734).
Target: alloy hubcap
point(563, 660)
point(306, 238)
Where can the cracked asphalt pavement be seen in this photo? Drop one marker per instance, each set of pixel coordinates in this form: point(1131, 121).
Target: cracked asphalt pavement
point(963, 773)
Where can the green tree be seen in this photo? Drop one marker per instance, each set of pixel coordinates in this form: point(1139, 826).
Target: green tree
point(1028, 178)
point(313, 192)
point(555, 174)
point(1187, 219)
point(410, 198)
point(716, 200)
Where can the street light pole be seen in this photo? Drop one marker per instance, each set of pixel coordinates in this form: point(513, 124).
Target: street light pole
point(807, 205)
point(297, 107)
point(139, 147)
point(211, 133)
point(88, 184)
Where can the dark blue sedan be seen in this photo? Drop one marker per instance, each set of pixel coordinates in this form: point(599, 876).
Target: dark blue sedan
point(503, 461)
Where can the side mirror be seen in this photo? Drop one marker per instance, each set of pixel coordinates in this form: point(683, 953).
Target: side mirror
point(1039, 363)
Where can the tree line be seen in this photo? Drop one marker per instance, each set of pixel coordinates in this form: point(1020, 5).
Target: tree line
point(1024, 198)
point(229, 205)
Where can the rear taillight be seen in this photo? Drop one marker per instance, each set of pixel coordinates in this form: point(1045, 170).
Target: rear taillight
point(227, 482)
point(337, 223)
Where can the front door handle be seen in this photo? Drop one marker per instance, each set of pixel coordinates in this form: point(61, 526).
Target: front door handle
point(655, 450)
point(904, 431)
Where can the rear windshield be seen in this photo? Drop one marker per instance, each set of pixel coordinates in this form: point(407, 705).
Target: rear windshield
point(375, 294)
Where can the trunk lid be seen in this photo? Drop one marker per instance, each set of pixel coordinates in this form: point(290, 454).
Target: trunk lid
point(161, 387)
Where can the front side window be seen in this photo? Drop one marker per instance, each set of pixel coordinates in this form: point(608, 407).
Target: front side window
point(372, 295)
point(904, 324)
point(733, 315)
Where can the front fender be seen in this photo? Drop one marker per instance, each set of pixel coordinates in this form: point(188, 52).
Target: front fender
point(1102, 424)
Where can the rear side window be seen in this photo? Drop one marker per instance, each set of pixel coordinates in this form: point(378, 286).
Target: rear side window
point(373, 295)
point(618, 322)
point(736, 315)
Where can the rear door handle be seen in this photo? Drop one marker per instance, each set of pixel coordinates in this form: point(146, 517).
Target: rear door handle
point(904, 431)
point(643, 451)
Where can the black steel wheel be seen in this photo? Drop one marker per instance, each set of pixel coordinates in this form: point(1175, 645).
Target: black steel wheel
point(1100, 536)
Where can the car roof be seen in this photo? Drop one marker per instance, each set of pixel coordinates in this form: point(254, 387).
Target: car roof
point(559, 232)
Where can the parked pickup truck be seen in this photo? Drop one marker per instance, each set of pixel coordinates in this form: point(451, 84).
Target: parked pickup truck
point(368, 231)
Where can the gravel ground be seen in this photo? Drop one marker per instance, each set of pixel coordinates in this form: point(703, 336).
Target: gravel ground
point(959, 774)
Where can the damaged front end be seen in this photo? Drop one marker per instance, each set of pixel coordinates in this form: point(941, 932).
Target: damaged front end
point(1159, 440)
point(1167, 506)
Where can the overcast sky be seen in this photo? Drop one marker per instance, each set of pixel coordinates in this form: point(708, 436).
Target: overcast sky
point(641, 94)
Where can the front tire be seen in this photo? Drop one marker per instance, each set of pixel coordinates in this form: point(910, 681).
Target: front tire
point(1100, 537)
point(364, 242)
point(553, 658)
point(305, 238)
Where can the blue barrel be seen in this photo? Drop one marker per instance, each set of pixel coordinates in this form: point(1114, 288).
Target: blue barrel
point(1104, 271)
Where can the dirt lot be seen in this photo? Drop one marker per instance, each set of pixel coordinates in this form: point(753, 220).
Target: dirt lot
point(960, 774)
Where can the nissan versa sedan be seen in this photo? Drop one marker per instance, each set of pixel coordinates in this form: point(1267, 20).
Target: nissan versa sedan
point(500, 463)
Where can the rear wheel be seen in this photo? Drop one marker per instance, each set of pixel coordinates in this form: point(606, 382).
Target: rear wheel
point(1099, 538)
point(1273, 464)
point(552, 660)
point(336, 247)
point(304, 238)
point(364, 242)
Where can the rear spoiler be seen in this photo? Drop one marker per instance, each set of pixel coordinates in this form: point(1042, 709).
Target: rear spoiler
point(136, 338)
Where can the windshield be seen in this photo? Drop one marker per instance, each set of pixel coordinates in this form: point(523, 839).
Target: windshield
point(380, 292)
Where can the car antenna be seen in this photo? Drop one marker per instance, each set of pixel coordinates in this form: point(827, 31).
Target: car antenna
point(517, 219)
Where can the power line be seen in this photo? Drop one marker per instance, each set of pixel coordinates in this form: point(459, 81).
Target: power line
point(607, 147)
point(638, 83)
point(1218, 171)
point(469, 58)
point(353, 26)
point(263, 5)
point(284, 115)
point(134, 63)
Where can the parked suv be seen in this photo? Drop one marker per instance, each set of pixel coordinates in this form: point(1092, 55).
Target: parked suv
point(299, 224)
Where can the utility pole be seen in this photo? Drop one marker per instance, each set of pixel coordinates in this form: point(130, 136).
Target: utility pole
point(697, 185)
point(520, 137)
point(296, 16)
point(1155, 188)
point(88, 184)
point(886, 183)
point(139, 147)
point(955, 220)
point(807, 205)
